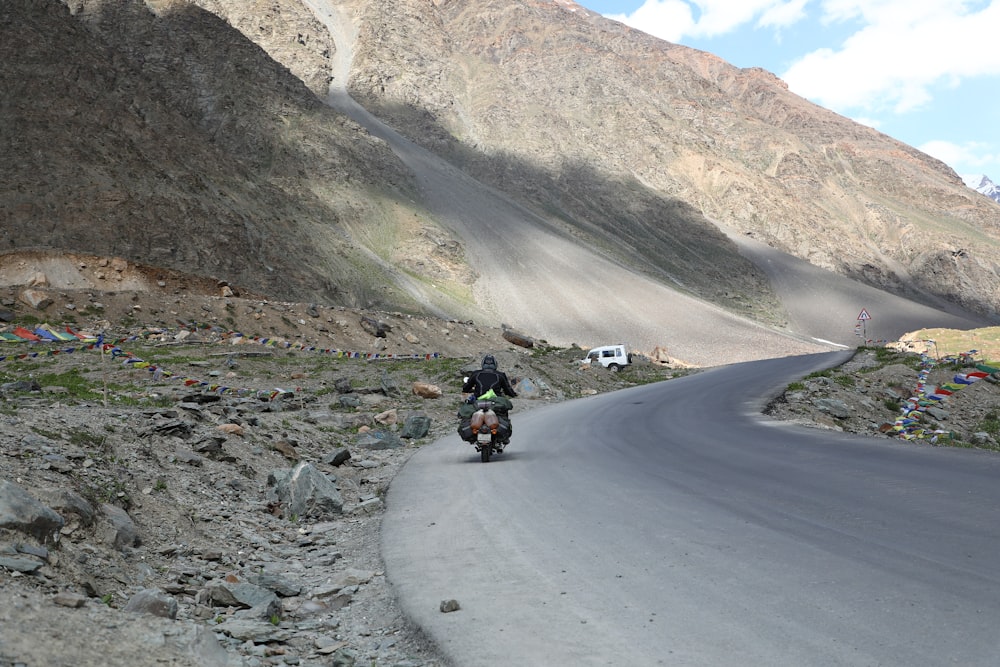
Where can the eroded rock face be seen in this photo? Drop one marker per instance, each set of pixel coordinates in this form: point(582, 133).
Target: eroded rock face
point(230, 119)
point(724, 123)
point(240, 145)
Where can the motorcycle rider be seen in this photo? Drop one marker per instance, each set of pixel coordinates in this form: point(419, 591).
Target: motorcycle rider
point(486, 378)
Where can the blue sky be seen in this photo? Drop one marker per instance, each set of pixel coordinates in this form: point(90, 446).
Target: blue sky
point(926, 72)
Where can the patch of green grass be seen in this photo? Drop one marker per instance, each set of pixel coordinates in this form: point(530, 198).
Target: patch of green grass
point(134, 396)
point(845, 380)
point(161, 401)
point(20, 369)
point(991, 424)
point(544, 351)
point(51, 435)
point(885, 355)
point(635, 378)
point(955, 341)
point(795, 386)
point(110, 490)
point(83, 438)
point(955, 442)
point(27, 321)
point(75, 383)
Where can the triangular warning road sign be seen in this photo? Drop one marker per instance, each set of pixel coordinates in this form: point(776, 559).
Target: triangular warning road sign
point(863, 315)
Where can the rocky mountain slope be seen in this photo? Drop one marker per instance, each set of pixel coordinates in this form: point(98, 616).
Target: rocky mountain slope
point(173, 140)
point(208, 147)
point(579, 115)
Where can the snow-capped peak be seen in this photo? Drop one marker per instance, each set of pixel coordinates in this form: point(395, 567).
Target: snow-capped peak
point(983, 185)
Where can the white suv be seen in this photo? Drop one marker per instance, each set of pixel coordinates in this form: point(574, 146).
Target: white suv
point(612, 357)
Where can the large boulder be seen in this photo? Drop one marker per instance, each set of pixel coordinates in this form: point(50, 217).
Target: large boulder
point(21, 512)
point(305, 492)
point(417, 425)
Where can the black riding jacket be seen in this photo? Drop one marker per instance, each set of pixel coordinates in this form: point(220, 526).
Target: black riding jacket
point(482, 381)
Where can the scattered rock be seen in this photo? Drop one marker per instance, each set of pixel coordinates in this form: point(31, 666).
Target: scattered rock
point(37, 299)
point(416, 426)
point(426, 390)
point(70, 600)
point(20, 511)
point(122, 532)
point(159, 506)
point(868, 396)
point(518, 338)
point(152, 601)
point(305, 492)
point(375, 327)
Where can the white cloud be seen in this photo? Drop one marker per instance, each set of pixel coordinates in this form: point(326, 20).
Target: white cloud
point(905, 50)
point(783, 15)
point(666, 19)
point(971, 155)
point(902, 52)
point(870, 122)
point(873, 60)
point(673, 20)
point(880, 12)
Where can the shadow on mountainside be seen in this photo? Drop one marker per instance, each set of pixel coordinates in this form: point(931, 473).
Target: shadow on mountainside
point(543, 274)
point(618, 261)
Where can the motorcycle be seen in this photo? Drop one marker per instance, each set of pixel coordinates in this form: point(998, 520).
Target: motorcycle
point(486, 425)
point(483, 427)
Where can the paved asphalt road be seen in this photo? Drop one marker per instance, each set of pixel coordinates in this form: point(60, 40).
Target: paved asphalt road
point(668, 525)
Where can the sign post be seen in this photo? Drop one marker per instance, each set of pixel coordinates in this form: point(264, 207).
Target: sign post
point(863, 318)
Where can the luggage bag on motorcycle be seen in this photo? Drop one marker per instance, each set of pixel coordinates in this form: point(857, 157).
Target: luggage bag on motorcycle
point(465, 430)
point(503, 429)
point(465, 412)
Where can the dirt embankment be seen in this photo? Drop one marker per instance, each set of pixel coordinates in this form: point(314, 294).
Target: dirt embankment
point(72, 271)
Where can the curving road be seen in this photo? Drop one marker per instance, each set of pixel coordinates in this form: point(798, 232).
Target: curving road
point(670, 525)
